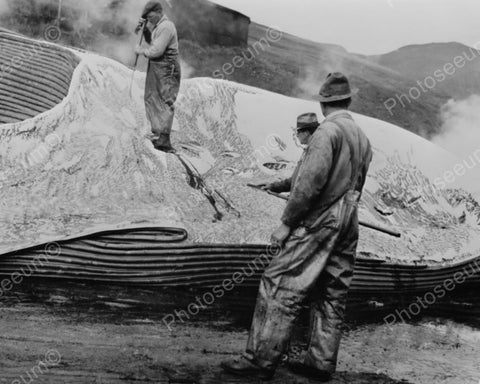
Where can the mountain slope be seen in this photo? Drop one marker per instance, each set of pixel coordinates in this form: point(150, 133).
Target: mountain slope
point(288, 65)
point(296, 67)
point(459, 64)
point(377, 83)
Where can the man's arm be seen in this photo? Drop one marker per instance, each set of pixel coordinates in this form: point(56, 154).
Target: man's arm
point(280, 186)
point(159, 43)
point(365, 167)
point(311, 178)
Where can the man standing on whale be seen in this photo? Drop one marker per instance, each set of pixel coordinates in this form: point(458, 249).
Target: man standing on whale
point(163, 75)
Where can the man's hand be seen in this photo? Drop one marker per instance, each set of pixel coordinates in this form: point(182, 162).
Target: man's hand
point(257, 185)
point(139, 50)
point(140, 25)
point(266, 186)
point(262, 186)
point(280, 235)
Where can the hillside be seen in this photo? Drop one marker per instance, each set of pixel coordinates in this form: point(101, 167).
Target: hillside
point(459, 64)
point(288, 65)
point(296, 67)
point(376, 83)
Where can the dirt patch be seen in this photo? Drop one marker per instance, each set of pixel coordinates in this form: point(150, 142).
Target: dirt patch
point(83, 334)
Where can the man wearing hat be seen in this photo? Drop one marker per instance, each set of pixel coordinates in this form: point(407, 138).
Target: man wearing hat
point(318, 236)
point(307, 124)
point(163, 75)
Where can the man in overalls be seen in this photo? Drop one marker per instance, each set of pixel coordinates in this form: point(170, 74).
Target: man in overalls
point(163, 74)
point(318, 235)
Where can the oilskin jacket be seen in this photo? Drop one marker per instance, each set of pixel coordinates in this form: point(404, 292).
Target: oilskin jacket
point(323, 174)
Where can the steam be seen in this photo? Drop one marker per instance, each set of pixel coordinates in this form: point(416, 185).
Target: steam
point(3, 6)
point(461, 120)
point(102, 26)
point(187, 70)
point(125, 16)
point(120, 49)
point(314, 71)
point(309, 83)
point(461, 136)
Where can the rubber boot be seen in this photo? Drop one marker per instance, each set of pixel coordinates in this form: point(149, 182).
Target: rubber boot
point(244, 367)
point(163, 143)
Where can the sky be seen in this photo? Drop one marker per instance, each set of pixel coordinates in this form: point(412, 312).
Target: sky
point(368, 26)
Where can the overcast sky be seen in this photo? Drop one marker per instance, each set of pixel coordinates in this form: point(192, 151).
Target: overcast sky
point(368, 26)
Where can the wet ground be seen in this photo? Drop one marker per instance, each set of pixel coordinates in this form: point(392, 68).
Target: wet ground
point(57, 332)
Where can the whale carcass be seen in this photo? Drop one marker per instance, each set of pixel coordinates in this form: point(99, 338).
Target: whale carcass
point(84, 195)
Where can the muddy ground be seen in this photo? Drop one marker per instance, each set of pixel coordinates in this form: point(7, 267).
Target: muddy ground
point(57, 332)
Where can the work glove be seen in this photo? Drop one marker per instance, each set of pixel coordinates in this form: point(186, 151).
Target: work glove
point(272, 187)
point(264, 186)
point(260, 185)
point(140, 25)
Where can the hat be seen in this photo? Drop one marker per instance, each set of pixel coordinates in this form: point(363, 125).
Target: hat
point(152, 6)
point(307, 121)
point(336, 87)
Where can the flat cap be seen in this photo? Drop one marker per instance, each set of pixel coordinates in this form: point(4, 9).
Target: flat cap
point(152, 6)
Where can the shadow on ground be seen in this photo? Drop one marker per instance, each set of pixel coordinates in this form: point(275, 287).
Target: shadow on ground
point(282, 376)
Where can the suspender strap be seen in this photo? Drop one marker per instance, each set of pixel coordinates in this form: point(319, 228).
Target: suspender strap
point(354, 170)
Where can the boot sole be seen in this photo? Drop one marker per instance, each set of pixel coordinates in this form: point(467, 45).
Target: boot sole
point(166, 149)
point(311, 373)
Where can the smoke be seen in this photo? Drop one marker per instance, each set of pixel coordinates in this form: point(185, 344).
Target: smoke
point(461, 136)
point(187, 70)
point(314, 70)
point(309, 83)
point(102, 26)
point(460, 130)
point(120, 49)
point(4, 6)
point(117, 20)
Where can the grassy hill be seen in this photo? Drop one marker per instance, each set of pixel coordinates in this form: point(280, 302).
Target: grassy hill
point(296, 67)
point(459, 64)
point(288, 65)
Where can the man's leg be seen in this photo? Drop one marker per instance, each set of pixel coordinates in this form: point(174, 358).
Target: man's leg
point(169, 88)
point(328, 310)
point(327, 317)
point(160, 94)
point(284, 286)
